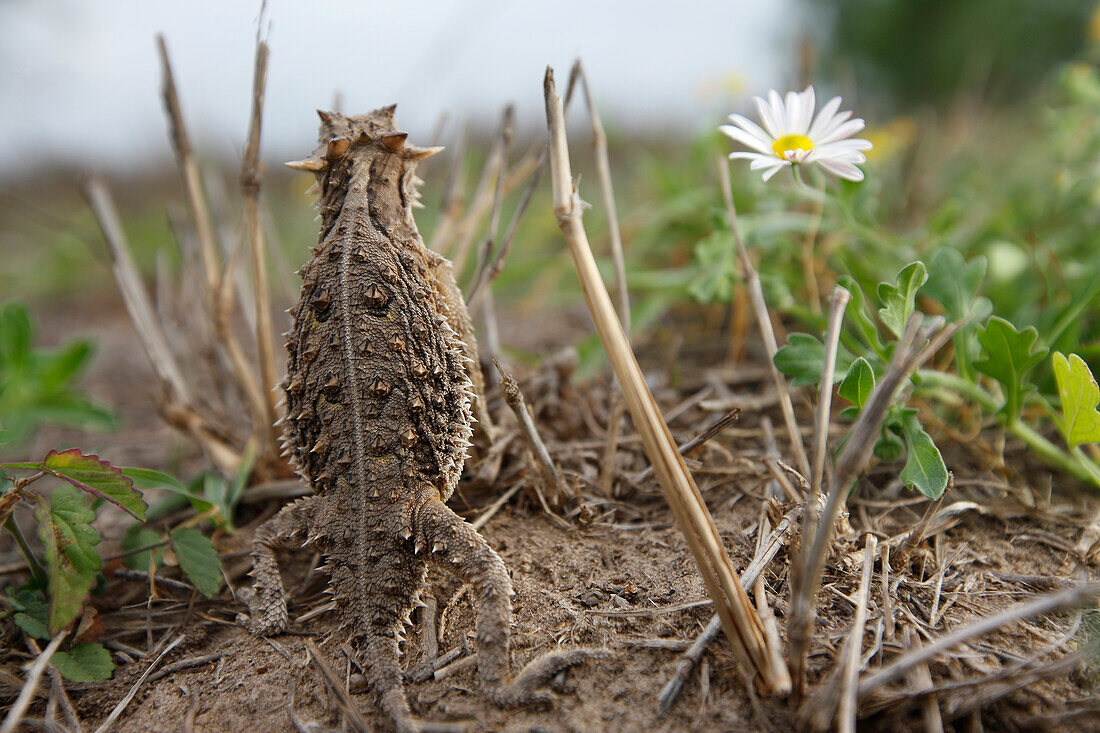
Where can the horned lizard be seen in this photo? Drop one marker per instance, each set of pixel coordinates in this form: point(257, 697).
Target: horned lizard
point(380, 386)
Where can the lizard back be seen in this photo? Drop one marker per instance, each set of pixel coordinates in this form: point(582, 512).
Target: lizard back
point(378, 396)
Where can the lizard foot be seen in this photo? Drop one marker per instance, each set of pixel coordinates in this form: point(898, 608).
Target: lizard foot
point(522, 690)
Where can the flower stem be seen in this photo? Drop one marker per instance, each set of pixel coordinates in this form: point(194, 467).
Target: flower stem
point(37, 571)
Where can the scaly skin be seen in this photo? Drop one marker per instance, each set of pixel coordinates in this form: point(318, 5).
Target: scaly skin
point(379, 413)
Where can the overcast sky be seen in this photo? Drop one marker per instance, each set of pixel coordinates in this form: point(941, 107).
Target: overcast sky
point(80, 80)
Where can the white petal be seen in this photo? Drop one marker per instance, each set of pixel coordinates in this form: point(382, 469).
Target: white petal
point(849, 128)
point(752, 128)
point(765, 161)
point(746, 138)
point(843, 170)
point(804, 112)
point(750, 156)
point(842, 146)
point(824, 117)
point(779, 112)
point(772, 171)
point(831, 126)
point(766, 117)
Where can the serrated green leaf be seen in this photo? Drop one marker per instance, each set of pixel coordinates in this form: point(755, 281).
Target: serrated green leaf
point(64, 527)
point(136, 537)
point(803, 359)
point(1080, 396)
point(858, 383)
point(32, 626)
point(899, 298)
point(1007, 356)
point(97, 477)
point(857, 312)
point(84, 663)
point(924, 468)
point(953, 283)
point(198, 559)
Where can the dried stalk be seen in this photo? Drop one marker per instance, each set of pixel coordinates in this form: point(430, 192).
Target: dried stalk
point(603, 172)
point(846, 712)
point(507, 131)
point(30, 687)
point(548, 472)
point(770, 548)
point(250, 189)
point(908, 355)
point(125, 701)
point(217, 299)
point(763, 320)
point(134, 295)
point(825, 390)
point(1070, 598)
point(742, 626)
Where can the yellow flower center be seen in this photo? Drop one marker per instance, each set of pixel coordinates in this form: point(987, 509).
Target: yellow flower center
point(789, 144)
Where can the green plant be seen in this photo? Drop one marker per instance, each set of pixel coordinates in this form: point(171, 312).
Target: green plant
point(70, 565)
point(37, 385)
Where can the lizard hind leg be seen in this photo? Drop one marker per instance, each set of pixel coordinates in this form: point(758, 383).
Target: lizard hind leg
point(287, 530)
point(465, 553)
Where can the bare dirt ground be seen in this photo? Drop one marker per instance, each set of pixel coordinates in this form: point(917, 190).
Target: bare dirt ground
point(615, 573)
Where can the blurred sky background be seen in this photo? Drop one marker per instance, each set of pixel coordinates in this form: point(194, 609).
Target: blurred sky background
point(81, 82)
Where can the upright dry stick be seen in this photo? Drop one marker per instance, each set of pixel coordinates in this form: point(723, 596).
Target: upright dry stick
point(134, 295)
point(908, 355)
point(739, 620)
point(763, 320)
point(217, 303)
point(846, 711)
point(825, 389)
point(603, 172)
point(250, 187)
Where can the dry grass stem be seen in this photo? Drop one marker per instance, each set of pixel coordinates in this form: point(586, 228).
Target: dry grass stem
point(134, 295)
point(30, 687)
point(846, 711)
point(495, 507)
point(336, 686)
point(217, 300)
point(250, 188)
point(548, 472)
point(712, 431)
point(769, 549)
point(189, 170)
point(920, 679)
point(1069, 598)
point(764, 322)
point(908, 356)
point(125, 701)
point(603, 172)
point(507, 132)
point(825, 390)
point(739, 620)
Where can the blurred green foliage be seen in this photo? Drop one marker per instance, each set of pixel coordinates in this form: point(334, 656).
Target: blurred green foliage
point(929, 51)
point(37, 386)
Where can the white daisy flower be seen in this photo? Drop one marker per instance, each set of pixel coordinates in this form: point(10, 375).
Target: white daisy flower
point(791, 134)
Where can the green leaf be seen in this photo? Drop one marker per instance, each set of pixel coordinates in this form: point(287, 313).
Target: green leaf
point(136, 537)
point(15, 335)
point(236, 489)
point(1080, 395)
point(858, 383)
point(32, 626)
point(803, 360)
point(84, 663)
point(97, 477)
point(924, 469)
point(1007, 356)
point(857, 313)
point(954, 284)
point(899, 299)
point(198, 559)
point(64, 527)
point(147, 478)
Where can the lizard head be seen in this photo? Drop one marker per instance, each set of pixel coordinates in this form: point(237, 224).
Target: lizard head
point(344, 137)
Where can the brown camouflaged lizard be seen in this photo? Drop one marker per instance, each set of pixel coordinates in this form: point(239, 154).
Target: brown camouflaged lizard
point(381, 377)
